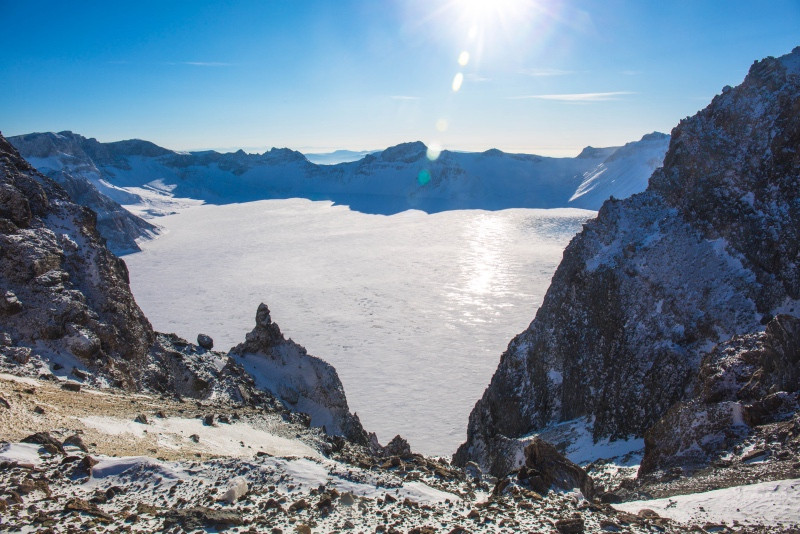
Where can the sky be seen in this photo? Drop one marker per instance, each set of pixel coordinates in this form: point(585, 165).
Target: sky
point(535, 76)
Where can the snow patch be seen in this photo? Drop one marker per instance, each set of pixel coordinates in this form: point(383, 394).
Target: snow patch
point(767, 503)
point(309, 474)
point(110, 468)
point(23, 453)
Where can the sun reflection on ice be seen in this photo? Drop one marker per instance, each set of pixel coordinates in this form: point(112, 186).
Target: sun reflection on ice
point(483, 269)
point(483, 262)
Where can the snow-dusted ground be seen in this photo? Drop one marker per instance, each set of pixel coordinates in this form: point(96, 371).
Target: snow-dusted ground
point(771, 503)
point(238, 439)
point(412, 309)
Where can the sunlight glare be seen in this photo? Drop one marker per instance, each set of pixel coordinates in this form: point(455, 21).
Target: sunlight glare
point(433, 151)
point(479, 11)
point(490, 30)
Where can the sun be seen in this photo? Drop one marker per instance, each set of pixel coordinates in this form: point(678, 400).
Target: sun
point(491, 15)
point(485, 10)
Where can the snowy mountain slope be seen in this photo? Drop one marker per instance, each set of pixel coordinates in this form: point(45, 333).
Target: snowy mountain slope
point(337, 156)
point(708, 253)
point(399, 178)
point(64, 159)
point(119, 227)
point(623, 173)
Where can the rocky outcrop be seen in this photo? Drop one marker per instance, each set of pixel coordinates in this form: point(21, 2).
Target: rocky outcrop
point(646, 290)
point(746, 386)
point(303, 382)
point(65, 294)
point(545, 468)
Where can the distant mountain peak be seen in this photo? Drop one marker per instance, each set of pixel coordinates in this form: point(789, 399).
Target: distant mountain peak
point(405, 152)
point(591, 152)
point(284, 155)
point(655, 136)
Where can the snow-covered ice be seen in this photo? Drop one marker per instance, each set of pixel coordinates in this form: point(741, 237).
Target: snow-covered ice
point(408, 308)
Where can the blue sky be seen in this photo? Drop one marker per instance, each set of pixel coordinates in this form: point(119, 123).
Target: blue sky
point(546, 77)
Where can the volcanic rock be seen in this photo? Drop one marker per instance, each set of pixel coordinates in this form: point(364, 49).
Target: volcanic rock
point(205, 341)
point(545, 469)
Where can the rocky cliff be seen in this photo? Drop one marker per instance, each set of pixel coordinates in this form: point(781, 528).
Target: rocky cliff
point(745, 406)
point(65, 295)
point(708, 252)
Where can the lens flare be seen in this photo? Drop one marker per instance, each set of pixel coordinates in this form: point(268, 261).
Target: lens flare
point(442, 125)
point(463, 58)
point(423, 177)
point(458, 79)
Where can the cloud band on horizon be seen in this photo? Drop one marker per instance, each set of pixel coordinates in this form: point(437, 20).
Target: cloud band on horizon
point(577, 97)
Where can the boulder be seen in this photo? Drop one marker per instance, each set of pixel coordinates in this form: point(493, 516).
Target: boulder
point(545, 469)
point(205, 341)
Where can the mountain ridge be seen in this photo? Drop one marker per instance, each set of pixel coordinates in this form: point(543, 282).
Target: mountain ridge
point(405, 176)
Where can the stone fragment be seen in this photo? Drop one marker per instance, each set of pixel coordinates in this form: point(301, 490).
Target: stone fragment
point(545, 469)
point(201, 517)
point(45, 439)
point(571, 525)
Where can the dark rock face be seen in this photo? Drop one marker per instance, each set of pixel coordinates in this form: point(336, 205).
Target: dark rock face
point(303, 382)
point(708, 252)
point(732, 170)
point(64, 292)
point(746, 384)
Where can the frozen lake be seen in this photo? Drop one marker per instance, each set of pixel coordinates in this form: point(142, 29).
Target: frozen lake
point(412, 309)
